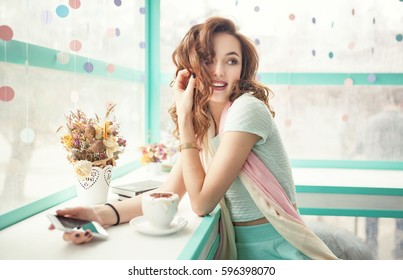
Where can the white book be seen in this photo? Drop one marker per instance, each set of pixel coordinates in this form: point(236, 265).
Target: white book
point(123, 197)
point(135, 188)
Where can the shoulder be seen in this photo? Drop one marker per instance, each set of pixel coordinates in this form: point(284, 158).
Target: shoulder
point(248, 105)
point(248, 98)
point(249, 114)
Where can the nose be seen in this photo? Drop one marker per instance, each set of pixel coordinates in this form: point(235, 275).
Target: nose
point(218, 70)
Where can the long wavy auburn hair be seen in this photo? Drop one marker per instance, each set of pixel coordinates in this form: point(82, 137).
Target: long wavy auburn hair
point(195, 51)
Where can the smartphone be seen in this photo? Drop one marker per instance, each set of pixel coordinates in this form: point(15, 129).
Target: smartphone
point(69, 224)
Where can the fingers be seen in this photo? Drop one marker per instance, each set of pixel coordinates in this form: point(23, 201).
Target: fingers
point(181, 80)
point(192, 82)
point(69, 211)
point(78, 237)
point(184, 80)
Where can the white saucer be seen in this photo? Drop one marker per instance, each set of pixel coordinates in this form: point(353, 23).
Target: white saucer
point(142, 225)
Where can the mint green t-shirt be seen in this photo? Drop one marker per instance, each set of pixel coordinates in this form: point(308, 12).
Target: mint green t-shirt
point(249, 114)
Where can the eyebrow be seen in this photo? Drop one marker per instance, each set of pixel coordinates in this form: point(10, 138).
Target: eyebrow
point(232, 53)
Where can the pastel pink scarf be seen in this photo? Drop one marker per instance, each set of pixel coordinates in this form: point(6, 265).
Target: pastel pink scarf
point(272, 200)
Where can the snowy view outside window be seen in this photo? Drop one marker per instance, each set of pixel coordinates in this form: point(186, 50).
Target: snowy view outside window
point(110, 39)
point(317, 121)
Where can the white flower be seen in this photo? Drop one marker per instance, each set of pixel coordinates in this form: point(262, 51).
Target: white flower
point(99, 132)
point(111, 145)
point(112, 128)
point(83, 168)
point(111, 142)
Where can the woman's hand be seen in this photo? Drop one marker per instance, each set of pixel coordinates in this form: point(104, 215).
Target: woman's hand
point(84, 213)
point(183, 91)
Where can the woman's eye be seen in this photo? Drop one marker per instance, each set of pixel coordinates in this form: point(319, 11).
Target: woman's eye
point(232, 62)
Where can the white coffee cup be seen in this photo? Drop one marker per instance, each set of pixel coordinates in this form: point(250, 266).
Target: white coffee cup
point(160, 208)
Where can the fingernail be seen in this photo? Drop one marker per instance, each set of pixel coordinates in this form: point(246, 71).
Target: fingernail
point(193, 75)
point(77, 235)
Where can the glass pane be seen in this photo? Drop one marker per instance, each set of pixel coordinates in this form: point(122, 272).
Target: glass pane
point(340, 122)
point(317, 121)
point(106, 31)
point(33, 161)
point(300, 36)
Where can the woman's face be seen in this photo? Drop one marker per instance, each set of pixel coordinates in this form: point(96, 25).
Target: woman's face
point(225, 69)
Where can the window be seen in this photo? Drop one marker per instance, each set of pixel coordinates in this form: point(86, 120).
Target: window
point(331, 66)
point(64, 56)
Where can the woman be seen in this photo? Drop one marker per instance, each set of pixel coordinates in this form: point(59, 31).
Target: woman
point(215, 83)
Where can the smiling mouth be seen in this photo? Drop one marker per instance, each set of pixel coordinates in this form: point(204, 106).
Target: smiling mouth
point(219, 85)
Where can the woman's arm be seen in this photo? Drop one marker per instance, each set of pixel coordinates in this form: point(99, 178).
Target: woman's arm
point(206, 189)
point(127, 209)
point(130, 208)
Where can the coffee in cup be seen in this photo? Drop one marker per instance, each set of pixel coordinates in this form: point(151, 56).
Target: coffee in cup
point(160, 208)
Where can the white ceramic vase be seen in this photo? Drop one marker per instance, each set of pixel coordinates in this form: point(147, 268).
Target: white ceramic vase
point(94, 189)
point(153, 168)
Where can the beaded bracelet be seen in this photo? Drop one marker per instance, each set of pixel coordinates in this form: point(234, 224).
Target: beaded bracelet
point(116, 212)
point(188, 145)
